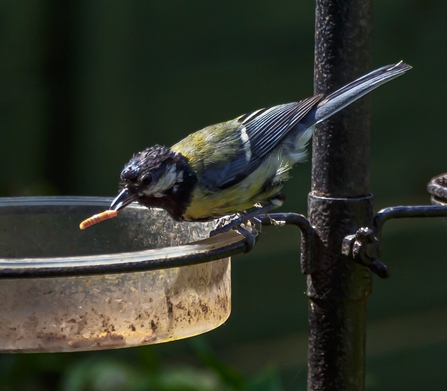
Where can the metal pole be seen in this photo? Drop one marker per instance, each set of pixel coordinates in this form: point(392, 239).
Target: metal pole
point(339, 202)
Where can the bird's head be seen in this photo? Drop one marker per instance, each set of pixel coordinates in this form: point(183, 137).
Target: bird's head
point(154, 177)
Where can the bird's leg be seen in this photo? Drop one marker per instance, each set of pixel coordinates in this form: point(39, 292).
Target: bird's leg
point(274, 202)
point(250, 237)
point(277, 201)
point(272, 221)
point(241, 219)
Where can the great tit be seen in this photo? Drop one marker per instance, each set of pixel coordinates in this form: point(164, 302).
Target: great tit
point(233, 166)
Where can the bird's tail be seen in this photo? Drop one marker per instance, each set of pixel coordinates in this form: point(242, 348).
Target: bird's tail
point(351, 92)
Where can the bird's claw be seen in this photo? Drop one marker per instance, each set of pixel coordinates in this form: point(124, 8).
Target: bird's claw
point(247, 228)
point(276, 223)
point(226, 223)
point(250, 237)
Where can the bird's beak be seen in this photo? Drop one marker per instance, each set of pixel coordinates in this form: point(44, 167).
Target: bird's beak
point(123, 199)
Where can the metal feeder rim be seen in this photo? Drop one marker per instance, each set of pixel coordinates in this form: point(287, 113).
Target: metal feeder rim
point(206, 250)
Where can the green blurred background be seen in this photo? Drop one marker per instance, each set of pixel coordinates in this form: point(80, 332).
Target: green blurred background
point(84, 84)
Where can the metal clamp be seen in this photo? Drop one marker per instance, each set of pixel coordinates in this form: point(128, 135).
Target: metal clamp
point(364, 245)
point(364, 248)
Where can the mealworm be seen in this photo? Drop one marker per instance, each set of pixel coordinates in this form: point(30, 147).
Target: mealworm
point(108, 214)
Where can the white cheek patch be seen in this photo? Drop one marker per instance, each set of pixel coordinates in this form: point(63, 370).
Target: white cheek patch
point(159, 188)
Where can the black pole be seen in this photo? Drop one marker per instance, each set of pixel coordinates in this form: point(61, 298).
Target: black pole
point(339, 202)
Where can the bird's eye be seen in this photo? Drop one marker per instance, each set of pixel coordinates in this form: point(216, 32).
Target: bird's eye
point(147, 180)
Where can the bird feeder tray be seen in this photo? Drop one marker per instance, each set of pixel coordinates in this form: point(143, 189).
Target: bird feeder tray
point(138, 279)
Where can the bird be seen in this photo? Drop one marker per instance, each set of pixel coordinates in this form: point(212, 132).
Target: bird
point(238, 166)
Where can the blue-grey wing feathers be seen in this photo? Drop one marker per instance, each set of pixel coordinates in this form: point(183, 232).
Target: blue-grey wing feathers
point(268, 127)
point(261, 131)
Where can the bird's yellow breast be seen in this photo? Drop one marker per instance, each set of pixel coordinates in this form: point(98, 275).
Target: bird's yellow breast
point(243, 195)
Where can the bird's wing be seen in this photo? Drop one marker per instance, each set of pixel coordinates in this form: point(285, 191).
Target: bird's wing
point(224, 154)
point(266, 128)
point(257, 134)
